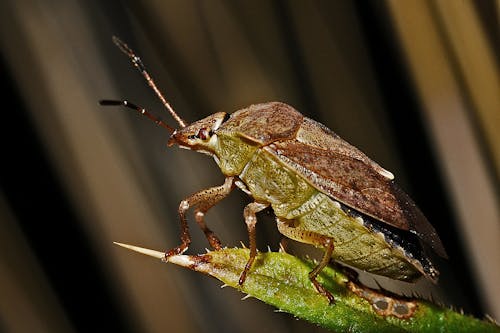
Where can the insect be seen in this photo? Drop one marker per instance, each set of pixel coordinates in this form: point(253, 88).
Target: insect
point(323, 191)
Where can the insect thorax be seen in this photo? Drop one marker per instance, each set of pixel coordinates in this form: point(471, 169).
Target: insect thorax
point(233, 154)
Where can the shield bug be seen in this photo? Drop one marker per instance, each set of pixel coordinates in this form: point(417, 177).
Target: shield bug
point(322, 190)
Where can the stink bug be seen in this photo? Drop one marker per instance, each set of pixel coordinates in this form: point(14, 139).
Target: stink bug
point(323, 191)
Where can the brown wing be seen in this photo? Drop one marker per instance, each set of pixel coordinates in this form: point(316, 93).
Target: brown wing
point(318, 135)
point(356, 183)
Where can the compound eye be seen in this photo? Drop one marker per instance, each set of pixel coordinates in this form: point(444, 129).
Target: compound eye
point(203, 133)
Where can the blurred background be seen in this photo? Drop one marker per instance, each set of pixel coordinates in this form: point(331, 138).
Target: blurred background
point(414, 84)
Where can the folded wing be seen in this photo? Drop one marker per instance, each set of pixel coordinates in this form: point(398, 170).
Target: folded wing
point(356, 182)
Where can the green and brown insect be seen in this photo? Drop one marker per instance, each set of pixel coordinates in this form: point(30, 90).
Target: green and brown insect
point(323, 191)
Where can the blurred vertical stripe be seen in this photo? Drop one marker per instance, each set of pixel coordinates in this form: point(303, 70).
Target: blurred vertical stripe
point(458, 80)
point(104, 174)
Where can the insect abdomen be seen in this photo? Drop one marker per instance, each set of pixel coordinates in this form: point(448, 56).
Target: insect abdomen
point(355, 244)
point(293, 198)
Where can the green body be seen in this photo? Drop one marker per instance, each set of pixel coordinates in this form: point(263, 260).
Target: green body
point(293, 198)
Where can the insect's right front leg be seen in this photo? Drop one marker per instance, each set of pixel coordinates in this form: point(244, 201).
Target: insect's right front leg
point(203, 200)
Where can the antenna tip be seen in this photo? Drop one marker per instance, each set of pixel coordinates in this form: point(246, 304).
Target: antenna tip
point(123, 46)
point(117, 40)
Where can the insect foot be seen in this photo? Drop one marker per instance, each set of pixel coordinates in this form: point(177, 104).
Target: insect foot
point(175, 251)
point(324, 292)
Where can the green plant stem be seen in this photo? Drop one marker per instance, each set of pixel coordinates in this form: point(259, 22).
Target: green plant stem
point(281, 280)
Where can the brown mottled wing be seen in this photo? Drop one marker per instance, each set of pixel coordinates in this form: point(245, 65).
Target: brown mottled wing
point(264, 123)
point(357, 184)
point(318, 135)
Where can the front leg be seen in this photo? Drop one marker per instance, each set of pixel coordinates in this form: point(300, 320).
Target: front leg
point(203, 200)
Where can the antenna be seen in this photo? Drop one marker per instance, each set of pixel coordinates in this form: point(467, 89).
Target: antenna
point(142, 111)
point(137, 62)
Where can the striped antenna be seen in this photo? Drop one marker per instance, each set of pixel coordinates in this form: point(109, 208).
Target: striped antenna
point(142, 111)
point(137, 62)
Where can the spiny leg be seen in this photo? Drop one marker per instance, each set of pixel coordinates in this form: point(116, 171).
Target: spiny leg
point(218, 193)
point(204, 199)
point(328, 245)
point(310, 237)
point(251, 220)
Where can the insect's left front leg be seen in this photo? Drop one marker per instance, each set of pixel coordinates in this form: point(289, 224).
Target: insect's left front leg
point(251, 220)
point(203, 200)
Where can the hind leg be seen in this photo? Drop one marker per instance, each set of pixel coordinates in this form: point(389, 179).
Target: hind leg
point(310, 237)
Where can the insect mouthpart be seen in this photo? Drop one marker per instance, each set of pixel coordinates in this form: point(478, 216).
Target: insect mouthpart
point(202, 140)
point(172, 140)
point(200, 135)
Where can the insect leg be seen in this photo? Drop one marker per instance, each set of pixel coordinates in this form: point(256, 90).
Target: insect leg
point(204, 199)
point(251, 220)
point(310, 237)
point(216, 194)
